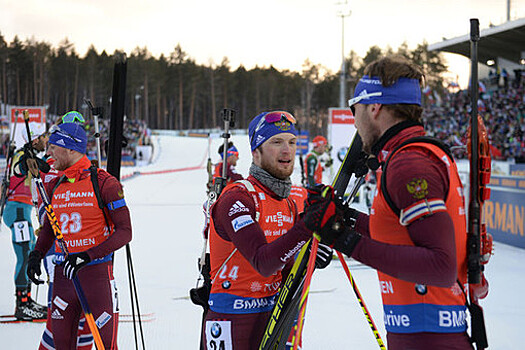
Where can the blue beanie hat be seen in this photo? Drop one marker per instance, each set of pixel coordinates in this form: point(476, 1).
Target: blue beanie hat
point(71, 136)
point(261, 129)
point(232, 151)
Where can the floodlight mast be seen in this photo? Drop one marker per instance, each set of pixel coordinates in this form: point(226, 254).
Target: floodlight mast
point(343, 12)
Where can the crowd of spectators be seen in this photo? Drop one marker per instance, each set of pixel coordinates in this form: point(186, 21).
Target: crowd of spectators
point(502, 106)
point(447, 117)
point(136, 133)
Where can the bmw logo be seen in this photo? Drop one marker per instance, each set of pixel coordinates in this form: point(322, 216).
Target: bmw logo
point(226, 284)
point(20, 225)
point(421, 289)
point(216, 330)
point(342, 153)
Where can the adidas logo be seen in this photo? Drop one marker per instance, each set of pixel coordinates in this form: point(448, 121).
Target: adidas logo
point(363, 93)
point(56, 315)
point(237, 207)
point(61, 142)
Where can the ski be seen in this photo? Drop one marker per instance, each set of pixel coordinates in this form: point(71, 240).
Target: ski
point(147, 315)
point(124, 318)
point(142, 320)
point(286, 310)
point(13, 319)
point(150, 314)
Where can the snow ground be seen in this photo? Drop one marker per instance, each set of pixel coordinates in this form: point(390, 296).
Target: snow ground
point(167, 222)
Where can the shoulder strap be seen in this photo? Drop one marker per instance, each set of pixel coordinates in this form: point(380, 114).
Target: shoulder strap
point(249, 186)
point(418, 139)
point(60, 180)
point(93, 170)
point(96, 187)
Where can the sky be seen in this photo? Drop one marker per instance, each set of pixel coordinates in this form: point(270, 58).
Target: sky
point(282, 33)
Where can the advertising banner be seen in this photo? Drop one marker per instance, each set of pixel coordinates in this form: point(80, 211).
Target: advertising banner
point(504, 213)
point(37, 122)
point(341, 132)
point(302, 143)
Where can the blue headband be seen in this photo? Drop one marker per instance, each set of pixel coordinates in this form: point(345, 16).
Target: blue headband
point(370, 90)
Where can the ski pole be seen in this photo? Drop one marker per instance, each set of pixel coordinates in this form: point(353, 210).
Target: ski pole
point(306, 286)
point(361, 301)
point(96, 112)
point(306, 289)
point(35, 172)
point(360, 171)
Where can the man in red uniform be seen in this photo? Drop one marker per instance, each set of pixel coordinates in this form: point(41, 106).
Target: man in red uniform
point(255, 231)
point(416, 233)
point(232, 156)
point(17, 216)
point(84, 337)
point(312, 164)
point(91, 235)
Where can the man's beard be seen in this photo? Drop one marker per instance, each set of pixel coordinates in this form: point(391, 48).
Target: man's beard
point(275, 171)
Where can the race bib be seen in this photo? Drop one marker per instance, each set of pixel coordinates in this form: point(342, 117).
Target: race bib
point(21, 230)
point(218, 335)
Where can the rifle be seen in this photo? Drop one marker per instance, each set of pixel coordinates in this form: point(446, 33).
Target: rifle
point(200, 294)
point(479, 244)
point(209, 167)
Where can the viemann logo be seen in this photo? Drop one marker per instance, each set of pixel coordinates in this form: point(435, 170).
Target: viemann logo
point(68, 195)
point(279, 218)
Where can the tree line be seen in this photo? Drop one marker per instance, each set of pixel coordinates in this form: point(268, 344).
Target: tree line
point(174, 92)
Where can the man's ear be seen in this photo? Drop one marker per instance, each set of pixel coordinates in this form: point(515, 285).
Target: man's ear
point(375, 108)
point(256, 155)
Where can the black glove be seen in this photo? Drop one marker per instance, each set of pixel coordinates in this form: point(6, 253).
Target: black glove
point(33, 267)
point(329, 163)
point(324, 256)
point(349, 215)
point(314, 194)
point(347, 241)
point(74, 262)
point(321, 210)
point(342, 238)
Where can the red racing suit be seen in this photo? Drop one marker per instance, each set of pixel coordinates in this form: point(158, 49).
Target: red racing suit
point(410, 307)
point(86, 230)
point(417, 243)
point(254, 234)
point(236, 286)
